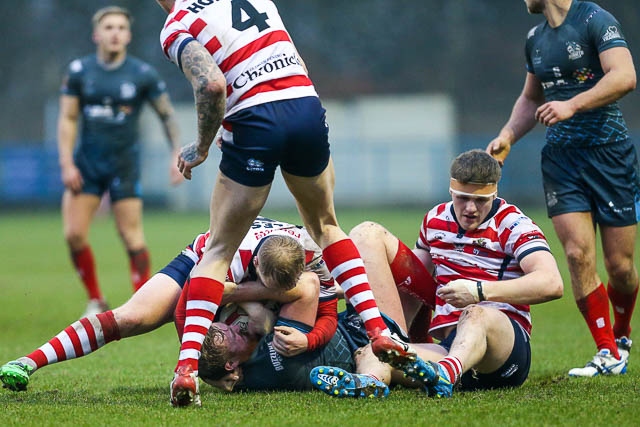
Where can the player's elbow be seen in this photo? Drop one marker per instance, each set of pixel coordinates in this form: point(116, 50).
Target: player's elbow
point(555, 287)
point(209, 88)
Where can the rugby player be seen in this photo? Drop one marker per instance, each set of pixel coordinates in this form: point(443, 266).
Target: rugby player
point(248, 77)
point(578, 67)
point(101, 98)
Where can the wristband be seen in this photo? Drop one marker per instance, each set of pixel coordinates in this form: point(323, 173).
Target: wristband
point(480, 294)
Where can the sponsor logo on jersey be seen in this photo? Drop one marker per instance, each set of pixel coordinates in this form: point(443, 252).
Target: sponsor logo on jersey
point(612, 33)
point(583, 74)
point(269, 65)
point(275, 358)
point(575, 51)
point(536, 58)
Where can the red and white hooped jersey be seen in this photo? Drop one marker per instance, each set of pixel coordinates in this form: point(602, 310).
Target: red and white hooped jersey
point(261, 228)
point(492, 252)
point(250, 44)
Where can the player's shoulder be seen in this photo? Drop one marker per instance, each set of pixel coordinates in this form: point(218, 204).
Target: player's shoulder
point(82, 64)
point(587, 13)
point(139, 65)
point(536, 31)
point(510, 216)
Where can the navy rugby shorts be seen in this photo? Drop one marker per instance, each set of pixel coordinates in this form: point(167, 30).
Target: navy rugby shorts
point(121, 177)
point(512, 373)
point(292, 134)
point(603, 180)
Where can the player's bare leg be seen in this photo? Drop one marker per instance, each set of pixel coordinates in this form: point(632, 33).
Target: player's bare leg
point(233, 208)
point(577, 234)
point(314, 198)
point(128, 218)
point(78, 211)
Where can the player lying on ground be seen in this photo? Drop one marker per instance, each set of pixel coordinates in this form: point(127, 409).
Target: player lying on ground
point(154, 304)
point(235, 357)
point(490, 262)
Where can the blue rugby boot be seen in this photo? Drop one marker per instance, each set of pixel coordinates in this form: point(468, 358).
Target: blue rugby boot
point(431, 374)
point(340, 383)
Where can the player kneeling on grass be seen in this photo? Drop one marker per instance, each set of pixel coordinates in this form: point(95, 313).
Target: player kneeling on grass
point(273, 254)
point(490, 262)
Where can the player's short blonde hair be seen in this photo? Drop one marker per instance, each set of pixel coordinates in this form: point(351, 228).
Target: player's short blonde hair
point(475, 167)
point(110, 10)
point(281, 261)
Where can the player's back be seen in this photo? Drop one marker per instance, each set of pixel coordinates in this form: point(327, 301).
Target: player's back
point(250, 44)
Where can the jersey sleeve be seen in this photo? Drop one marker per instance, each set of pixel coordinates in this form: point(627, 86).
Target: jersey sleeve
point(524, 236)
point(605, 32)
point(72, 80)
point(325, 326)
point(174, 37)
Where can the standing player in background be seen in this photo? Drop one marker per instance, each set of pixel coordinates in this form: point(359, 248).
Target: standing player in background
point(245, 69)
point(106, 91)
point(578, 66)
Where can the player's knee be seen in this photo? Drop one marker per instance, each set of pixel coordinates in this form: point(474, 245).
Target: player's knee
point(365, 231)
point(473, 314)
point(620, 270)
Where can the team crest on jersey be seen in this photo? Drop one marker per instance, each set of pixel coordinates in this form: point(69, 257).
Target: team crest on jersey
point(254, 165)
point(575, 51)
point(480, 242)
point(612, 33)
point(127, 90)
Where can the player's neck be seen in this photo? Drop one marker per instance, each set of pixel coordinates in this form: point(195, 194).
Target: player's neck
point(111, 60)
point(556, 12)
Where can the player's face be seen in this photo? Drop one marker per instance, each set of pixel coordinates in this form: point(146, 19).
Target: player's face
point(471, 210)
point(112, 34)
point(227, 382)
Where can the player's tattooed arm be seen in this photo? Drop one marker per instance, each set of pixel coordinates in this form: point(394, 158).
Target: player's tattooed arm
point(209, 91)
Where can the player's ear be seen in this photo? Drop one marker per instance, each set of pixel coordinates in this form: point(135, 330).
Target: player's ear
point(231, 365)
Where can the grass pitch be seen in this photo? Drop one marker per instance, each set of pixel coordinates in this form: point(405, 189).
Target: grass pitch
point(127, 382)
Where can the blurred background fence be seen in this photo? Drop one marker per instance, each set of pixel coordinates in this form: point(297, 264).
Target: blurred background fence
point(407, 85)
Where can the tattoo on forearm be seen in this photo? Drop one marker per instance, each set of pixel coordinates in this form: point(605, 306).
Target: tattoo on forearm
point(210, 109)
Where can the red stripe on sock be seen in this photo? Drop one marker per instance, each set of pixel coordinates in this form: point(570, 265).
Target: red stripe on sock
point(110, 329)
point(91, 334)
point(57, 347)
point(39, 358)
point(75, 340)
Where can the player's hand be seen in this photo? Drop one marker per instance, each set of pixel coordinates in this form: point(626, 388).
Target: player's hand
point(190, 157)
point(289, 341)
point(72, 178)
point(459, 293)
point(553, 112)
point(175, 177)
point(499, 148)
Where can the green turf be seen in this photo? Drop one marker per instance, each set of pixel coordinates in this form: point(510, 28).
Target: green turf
point(127, 382)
